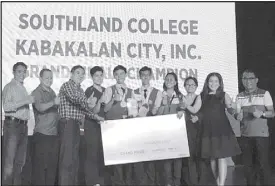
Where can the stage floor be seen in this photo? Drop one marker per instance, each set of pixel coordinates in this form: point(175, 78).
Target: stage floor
point(235, 174)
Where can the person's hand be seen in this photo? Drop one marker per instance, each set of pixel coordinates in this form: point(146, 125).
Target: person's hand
point(194, 119)
point(154, 111)
point(239, 116)
point(56, 100)
point(183, 105)
point(143, 111)
point(257, 113)
point(92, 101)
point(116, 96)
point(180, 114)
point(98, 118)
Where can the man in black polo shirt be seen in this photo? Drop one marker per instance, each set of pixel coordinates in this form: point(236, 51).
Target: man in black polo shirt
point(45, 157)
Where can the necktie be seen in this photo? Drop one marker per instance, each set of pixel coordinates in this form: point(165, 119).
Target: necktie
point(145, 94)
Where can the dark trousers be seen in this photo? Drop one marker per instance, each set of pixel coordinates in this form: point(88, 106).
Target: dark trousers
point(256, 159)
point(191, 170)
point(69, 132)
point(159, 170)
point(45, 159)
point(94, 164)
point(172, 171)
point(148, 173)
point(122, 174)
point(140, 177)
point(14, 149)
point(238, 158)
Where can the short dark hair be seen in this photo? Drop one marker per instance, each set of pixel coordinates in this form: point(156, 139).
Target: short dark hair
point(44, 70)
point(96, 69)
point(145, 68)
point(250, 71)
point(192, 78)
point(77, 67)
point(19, 64)
point(119, 67)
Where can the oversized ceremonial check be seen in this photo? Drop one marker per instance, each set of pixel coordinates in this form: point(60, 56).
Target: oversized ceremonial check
point(144, 139)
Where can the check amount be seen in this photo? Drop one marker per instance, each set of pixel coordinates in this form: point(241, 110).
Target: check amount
point(144, 139)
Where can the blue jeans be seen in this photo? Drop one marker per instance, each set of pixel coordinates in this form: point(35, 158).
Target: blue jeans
point(15, 141)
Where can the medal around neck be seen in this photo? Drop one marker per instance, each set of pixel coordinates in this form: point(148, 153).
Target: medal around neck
point(132, 106)
point(123, 104)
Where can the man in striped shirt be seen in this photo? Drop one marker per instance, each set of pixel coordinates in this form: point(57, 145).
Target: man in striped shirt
point(73, 107)
point(15, 130)
point(256, 107)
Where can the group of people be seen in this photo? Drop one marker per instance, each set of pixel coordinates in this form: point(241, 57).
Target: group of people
point(58, 119)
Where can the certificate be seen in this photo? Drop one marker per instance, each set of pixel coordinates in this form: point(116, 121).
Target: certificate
point(144, 139)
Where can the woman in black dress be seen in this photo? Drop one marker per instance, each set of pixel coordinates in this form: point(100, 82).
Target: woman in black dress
point(217, 139)
point(192, 103)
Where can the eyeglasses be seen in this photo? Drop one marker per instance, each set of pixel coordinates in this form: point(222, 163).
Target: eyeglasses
point(190, 85)
point(248, 79)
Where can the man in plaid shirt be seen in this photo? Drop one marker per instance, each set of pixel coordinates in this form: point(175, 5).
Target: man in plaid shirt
point(73, 107)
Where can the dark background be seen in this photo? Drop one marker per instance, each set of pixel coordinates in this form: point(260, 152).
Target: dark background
point(255, 26)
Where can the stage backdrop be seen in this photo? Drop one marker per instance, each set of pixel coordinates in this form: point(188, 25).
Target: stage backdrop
point(191, 39)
